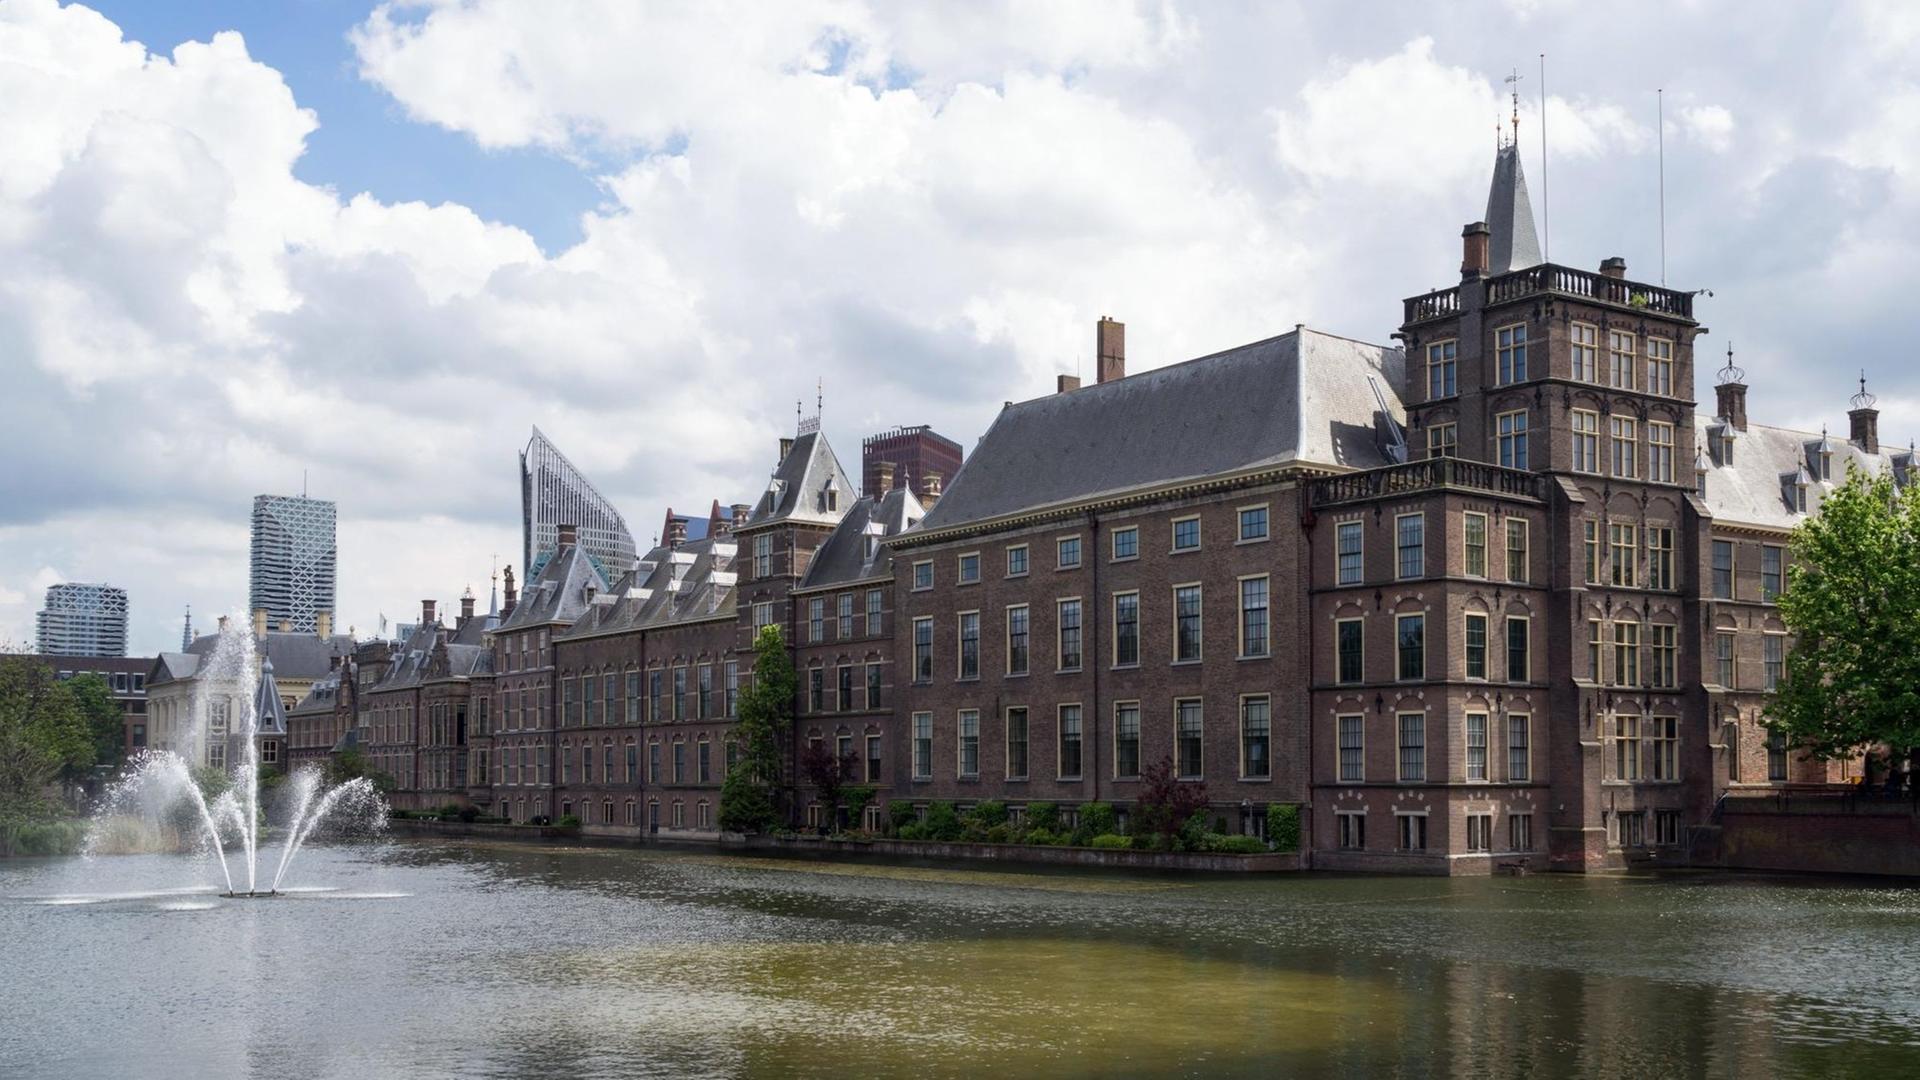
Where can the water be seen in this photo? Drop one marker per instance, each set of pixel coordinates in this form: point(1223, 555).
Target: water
point(421, 958)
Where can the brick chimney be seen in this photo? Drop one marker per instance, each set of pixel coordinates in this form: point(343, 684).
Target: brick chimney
point(260, 622)
point(1110, 348)
point(1066, 383)
point(466, 607)
point(1864, 419)
point(740, 512)
point(426, 613)
point(786, 447)
point(929, 489)
point(1474, 255)
point(1614, 267)
point(323, 624)
point(569, 535)
point(512, 594)
point(676, 532)
point(883, 473)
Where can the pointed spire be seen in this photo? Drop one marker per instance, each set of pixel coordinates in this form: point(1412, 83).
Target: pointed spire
point(186, 631)
point(1514, 244)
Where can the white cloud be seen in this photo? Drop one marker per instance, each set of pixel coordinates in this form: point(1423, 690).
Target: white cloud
point(1709, 125)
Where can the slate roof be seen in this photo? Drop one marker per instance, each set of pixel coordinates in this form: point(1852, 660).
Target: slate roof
point(1513, 244)
point(294, 655)
point(1754, 487)
point(854, 552)
point(320, 696)
point(798, 488)
point(270, 715)
point(669, 585)
point(435, 652)
point(558, 594)
point(1303, 397)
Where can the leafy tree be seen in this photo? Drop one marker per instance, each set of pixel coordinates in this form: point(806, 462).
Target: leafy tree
point(43, 736)
point(352, 764)
point(827, 772)
point(1165, 804)
point(104, 719)
point(748, 797)
point(1852, 599)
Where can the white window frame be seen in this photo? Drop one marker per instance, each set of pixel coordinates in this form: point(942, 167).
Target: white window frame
point(1173, 535)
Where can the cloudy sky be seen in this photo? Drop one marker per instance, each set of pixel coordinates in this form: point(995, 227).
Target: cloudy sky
point(372, 244)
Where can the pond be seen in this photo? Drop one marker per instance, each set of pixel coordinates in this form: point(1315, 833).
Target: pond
point(426, 958)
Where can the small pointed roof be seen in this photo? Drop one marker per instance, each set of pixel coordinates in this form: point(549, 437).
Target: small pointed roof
point(266, 702)
point(1514, 245)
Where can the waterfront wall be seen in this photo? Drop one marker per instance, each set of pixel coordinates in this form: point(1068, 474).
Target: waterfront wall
point(1837, 834)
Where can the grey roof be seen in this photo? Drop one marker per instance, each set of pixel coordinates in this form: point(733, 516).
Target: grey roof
point(269, 713)
point(320, 696)
point(1303, 397)
point(669, 585)
point(433, 652)
point(1755, 487)
point(854, 551)
point(172, 667)
point(807, 485)
point(294, 655)
point(1513, 244)
point(558, 594)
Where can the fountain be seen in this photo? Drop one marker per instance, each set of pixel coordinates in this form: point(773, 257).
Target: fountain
point(234, 692)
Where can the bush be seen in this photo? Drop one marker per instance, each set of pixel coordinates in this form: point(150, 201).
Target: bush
point(1096, 819)
point(901, 814)
point(1193, 832)
point(1000, 834)
point(1042, 838)
point(942, 822)
point(568, 823)
point(989, 813)
point(1110, 842)
point(468, 813)
point(1233, 845)
point(1043, 816)
point(43, 838)
point(913, 830)
point(1283, 826)
point(450, 811)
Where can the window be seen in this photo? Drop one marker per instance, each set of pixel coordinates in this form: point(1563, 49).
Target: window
point(1017, 561)
point(1666, 827)
point(1188, 738)
point(679, 762)
point(1510, 343)
point(1518, 628)
point(1476, 646)
point(873, 758)
point(703, 683)
point(762, 616)
point(1442, 365)
point(1511, 427)
point(1626, 747)
point(1017, 640)
point(763, 555)
point(1476, 746)
point(1660, 366)
point(1474, 530)
point(1126, 543)
point(845, 612)
point(1353, 829)
point(1126, 629)
point(1069, 759)
point(875, 598)
point(1586, 441)
point(817, 619)
point(1016, 744)
point(569, 708)
point(969, 644)
point(922, 746)
point(1350, 648)
point(923, 649)
point(1776, 756)
point(1413, 746)
point(923, 575)
point(968, 743)
point(705, 760)
point(1517, 549)
point(1773, 656)
point(1590, 530)
point(1666, 653)
point(873, 686)
point(1621, 539)
point(1410, 538)
point(1413, 831)
point(1586, 352)
point(1519, 832)
point(1347, 544)
point(817, 690)
point(967, 570)
point(1186, 618)
point(1353, 760)
point(1723, 569)
point(1410, 632)
point(633, 762)
point(1626, 654)
point(633, 700)
point(1625, 436)
point(1253, 524)
point(1660, 452)
point(1659, 557)
point(1769, 572)
point(1253, 616)
point(844, 698)
point(1663, 748)
point(1480, 832)
point(1519, 758)
point(1620, 359)
point(680, 693)
point(1443, 440)
point(1723, 658)
point(1068, 615)
point(1066, 551)
point(1186, 534)
point(1126, 739)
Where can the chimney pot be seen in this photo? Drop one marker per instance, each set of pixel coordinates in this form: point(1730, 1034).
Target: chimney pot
point(1614, 267)
point(1866, 429)
point(1475, 256)
point(676, 532)
point(1110, 348)
point(1731, 399)
point(323, 624)
point(466, 607)
point(883, 475)
point(929, 489)
point(740, 512)
point(1066, 383)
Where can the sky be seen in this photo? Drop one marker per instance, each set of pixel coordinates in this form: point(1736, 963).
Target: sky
point(367, 247)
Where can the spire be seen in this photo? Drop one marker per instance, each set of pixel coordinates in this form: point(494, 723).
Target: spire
point(1514, 245)
point(186, 631)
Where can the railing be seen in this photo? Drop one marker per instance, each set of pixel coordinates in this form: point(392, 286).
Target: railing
point(1434, 305)
point(1417, 476)
point(1587, 285)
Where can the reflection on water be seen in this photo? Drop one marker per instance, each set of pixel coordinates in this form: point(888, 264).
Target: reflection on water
point(504, 960)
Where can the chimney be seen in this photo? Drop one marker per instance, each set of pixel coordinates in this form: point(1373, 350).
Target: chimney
point(569, 535)
point(883, 472)
point(1066, 383)
point(1864, 419)
point(260, 622)
point(1474, 254)
point(426, 613)
point(1110, 349)
point(1614, 267)
point(676, 532)
point(466, 607)
point(740, 512)
point(323, 624)
point(929, 489)
point(512, 594)
point(786, 447)
point(223, 624)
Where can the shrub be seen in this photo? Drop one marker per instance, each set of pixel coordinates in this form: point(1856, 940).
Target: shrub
point(1233, 845)
point(1043, 816)
point(856, 798)
point(901, 814)
point(1193, 832)
point(912, 830)
point(44, 838)
point(1167, 803)
point(450, 811)
point(1042, 838)
point(568, 823)
point(1110, 842)
point(1000, 834)
point(989, 813)
point(1283, 826)
point(942, 823)
point(1096, 819)
point(468, 813)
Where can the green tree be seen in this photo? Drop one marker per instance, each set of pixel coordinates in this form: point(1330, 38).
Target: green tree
point(352, 764)
point(1852, 599)
point(102, 714)
point(43, 737)
point(749, 797)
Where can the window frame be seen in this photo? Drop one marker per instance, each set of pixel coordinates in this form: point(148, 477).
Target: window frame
point(1026, 562)
point(1113, 543)
point(1265, 701)
point(1199, 622)
point(1265, 510)
point(1173, 535)
point(1266, 618)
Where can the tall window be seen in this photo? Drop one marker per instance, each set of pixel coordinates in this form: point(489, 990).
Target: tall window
point(1443, 440)
point(816, 690)
point(1126, 739)
point(1253, 616)
point(1069, 742)
point(1016, 744)
point(1186, 608)
point(1620, 359)
point(1410, 631)
point(845, 617)
point(1017, 560)
point(1769, 572)
point(923, 649)
point(1626, 747)
point(656, 704)
point(1659, 557)
point(875, 598)
point(844, 698)
point(1516, 549)
point(1518, 669)
point(1586, 352)
point(1666, 655)
point(1474, 531)
point(1189, 738)
point(1256, 730)
point(1476, 646)
point(873, 686)
point(1596, 650)
point(1510, 343)
point(817, 619)
point(763, 555)
point(1776, 755)
point(1347, 543)
point(1723, 569)
point(1621, 539)
point(1660, 452)
point(1066, 552)
point(1476, 746)
point(1410, 541)
point(1625, 446)
point(1660, 366)
point(1626, 654)
point(1017, 640)
point(680, 693)
point(1519, 754)
point(632, 699)
point(1511, 428)
point(922, 745)
point(1663, 748)
point(1350, 650)
point(1126, 629)
point(1413, 747)
point(969, 644)
point(968, 743)
point(1441, 369)
point(1723, 659)
point(1774, 656)
point(1126, 543)
point(1068, 619)
point(1586, 441)
point(1353, 760)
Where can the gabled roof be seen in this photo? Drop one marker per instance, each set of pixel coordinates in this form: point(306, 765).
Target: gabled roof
point(854, 552)
point(1304, 397)
point(172, 667)
point(1513, 244)
point(320, 696)
point(800, 486)
point(1767, 462)
point(559, 593)
point(270, 714)
point(294, 655)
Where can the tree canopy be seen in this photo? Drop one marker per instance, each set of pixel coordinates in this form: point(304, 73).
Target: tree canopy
point(1852, 600)
point(45, 735)
point(748, 797)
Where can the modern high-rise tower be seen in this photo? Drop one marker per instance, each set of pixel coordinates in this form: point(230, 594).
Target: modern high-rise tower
point(293, 560)
point(83, 619)
point(554, 493)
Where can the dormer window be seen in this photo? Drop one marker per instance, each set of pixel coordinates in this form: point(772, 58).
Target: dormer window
point(1799, 498)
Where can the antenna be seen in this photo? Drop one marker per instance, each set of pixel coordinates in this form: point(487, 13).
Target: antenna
point(819, 396)
point(1513, 81)
point(1660, 106)
point(1546, 212)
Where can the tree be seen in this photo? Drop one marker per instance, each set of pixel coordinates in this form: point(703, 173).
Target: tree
point(827, 772)
point(105, 722)
point(43, 736)
point(1852, 599)
point(1165, 803)
point(748, 798)
point(352, 764)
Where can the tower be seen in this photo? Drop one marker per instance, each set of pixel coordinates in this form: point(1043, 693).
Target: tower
point(83, 619)
point(552, 493)
point(294, 560)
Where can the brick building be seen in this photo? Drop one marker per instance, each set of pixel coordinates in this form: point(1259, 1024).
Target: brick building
point(908, 456)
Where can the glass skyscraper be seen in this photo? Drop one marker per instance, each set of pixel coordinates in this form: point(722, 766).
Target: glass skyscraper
point(554, 493)
point(83, 619)
point(294, 560)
